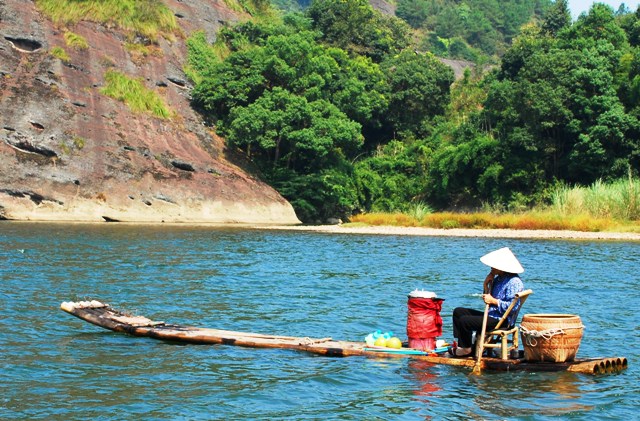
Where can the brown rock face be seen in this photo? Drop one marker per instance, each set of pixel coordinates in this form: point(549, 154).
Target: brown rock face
point(68, 152)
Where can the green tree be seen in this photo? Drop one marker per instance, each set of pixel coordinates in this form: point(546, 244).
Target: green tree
point(557, 17)
point(630, 81)
point(301, 148)
point(414, 12)
point(553, 111)
point(354, 26)
point(467, 97)
point(237, 81)
point(337, 118)
point(598, 24)
point(485, 26)
point(419, 90)
point(360, 90)
point(555, 105)
point(468, 172)
point(318, 196)
point(288, 131)
point(393, 177)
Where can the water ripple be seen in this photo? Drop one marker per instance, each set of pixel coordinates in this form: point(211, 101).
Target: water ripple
point(303, 284)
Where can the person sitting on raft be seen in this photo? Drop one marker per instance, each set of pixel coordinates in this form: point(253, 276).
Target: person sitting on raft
point(500, 288)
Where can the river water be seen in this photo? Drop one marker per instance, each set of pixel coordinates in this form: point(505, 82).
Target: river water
point(55, 366)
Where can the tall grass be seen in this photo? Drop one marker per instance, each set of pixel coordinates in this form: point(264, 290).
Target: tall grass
point(599, 207)
point(618, 200)
point(147, 18)
point(133, 93)
point(526, 221)
point(395, 219)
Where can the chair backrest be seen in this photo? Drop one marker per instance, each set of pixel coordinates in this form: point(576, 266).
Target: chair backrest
point(522, 297)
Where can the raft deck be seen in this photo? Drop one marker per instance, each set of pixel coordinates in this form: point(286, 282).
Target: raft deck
point(103, 315)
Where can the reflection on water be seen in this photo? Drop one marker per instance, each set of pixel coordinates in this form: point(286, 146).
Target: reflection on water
point(302, 284)
point(543, 394)
point(425, 378)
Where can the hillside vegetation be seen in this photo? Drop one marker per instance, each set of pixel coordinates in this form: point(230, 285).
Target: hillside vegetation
point(342, 116)
point(474, 30)
point(344, 112)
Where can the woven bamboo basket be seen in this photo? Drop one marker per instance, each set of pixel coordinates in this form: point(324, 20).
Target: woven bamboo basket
point(551, 337)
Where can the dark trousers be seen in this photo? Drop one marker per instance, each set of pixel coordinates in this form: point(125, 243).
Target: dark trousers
point(468, 320)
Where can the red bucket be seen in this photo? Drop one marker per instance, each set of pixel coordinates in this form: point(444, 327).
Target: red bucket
point(426, 344)
point(424, 323)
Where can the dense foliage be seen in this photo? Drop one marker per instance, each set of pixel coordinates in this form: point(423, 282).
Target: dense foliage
point(341, 116)
point(305, 110)
point(472, 29)
point(355, 27)
point(557, 109)
point(476, 30)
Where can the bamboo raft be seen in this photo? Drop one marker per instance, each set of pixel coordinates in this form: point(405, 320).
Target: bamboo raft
point(103, 315)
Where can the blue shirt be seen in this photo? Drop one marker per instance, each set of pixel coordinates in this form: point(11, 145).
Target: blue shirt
point(504, 289)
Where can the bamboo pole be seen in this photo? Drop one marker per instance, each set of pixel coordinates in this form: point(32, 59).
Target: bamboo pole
point(477, 368)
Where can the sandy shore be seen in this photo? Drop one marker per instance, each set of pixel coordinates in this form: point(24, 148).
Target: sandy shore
point(369, 230)
point(479, 233)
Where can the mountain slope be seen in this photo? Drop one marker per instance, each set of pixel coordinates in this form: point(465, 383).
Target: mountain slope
point(69, 152)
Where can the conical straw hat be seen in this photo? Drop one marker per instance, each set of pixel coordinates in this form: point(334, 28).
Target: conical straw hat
point(504, 260)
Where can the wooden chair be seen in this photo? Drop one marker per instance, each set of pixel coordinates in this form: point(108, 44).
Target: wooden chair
point(499, 338)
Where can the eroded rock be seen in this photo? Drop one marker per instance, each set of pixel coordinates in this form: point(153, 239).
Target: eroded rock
point(36, 198)
point(25, 45)
point(28, 147)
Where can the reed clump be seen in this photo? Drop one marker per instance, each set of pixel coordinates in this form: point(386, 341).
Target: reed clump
point(419, 210)
point(618, 200)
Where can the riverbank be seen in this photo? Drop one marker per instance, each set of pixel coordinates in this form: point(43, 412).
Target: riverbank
point(458, 232)
point(369, 229)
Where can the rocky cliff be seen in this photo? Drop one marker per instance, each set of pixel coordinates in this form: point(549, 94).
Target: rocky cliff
point(68, 152)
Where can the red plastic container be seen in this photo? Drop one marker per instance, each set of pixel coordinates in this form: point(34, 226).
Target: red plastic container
point(424, 323)
point(426, 344)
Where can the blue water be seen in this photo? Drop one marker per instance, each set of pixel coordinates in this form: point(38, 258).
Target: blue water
point(54, 366)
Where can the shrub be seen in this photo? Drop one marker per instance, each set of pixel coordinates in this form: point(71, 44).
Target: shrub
point(450, 224)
